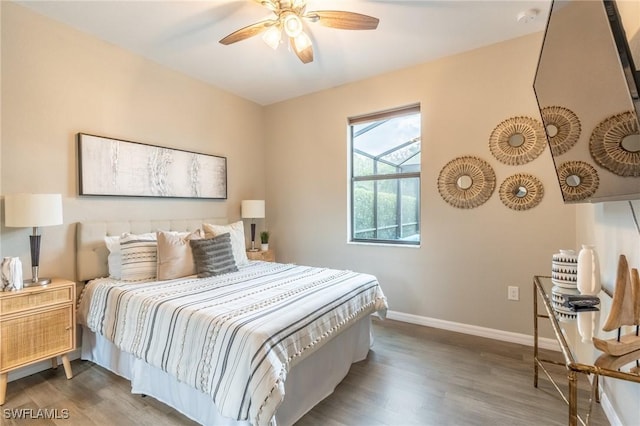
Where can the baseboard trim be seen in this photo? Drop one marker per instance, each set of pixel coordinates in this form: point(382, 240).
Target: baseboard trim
point(474, 330)
point(611, 414)
point(38, 367)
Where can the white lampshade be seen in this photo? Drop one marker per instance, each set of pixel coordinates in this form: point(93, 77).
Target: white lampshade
point(32, 210)
point(252, 209)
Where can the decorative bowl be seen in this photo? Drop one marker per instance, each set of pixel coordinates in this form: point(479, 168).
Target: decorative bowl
point(572, 278)
point(564, 268)
point(566, 256)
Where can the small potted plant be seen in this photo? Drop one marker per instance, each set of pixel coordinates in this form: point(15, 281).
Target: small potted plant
point(264, 239)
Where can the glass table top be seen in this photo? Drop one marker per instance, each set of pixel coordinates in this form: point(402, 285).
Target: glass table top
point(579, 328)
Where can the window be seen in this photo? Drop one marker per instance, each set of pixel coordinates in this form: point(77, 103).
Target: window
point(385, 177)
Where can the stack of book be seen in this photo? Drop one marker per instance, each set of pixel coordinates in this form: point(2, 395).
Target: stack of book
point(579, 303)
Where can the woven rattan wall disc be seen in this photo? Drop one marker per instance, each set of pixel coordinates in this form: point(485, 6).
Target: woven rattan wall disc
point(466, 182)
point(566, 125)
point(607, 149)
point(521, 191)
point(578, 180)
point(517, 140)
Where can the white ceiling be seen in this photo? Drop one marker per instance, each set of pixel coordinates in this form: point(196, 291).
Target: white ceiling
point(183, 35)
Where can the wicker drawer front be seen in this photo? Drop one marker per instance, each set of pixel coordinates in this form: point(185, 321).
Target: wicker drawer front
point(29, 300)
point(37, 336)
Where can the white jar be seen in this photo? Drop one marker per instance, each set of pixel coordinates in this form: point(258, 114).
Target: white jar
point(588, 279)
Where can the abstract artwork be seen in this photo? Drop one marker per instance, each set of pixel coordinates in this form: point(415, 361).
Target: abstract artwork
point(116, 167)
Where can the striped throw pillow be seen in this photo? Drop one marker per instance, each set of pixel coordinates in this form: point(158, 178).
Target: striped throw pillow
point(139, 257)
point(213, 256)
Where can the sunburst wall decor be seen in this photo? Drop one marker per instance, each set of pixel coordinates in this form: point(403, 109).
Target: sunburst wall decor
point(578, 180)
point(517, 140)
point(521, 191)
point(466, 182)
point(563, 128)
point(607, 145)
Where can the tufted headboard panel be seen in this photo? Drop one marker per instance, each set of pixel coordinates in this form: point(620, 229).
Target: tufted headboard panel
point(92, 253)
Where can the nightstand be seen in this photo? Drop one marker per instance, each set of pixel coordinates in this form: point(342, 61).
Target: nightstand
point(36, 323)
point(267, 255)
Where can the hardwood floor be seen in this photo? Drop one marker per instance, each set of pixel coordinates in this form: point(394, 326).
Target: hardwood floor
point(413, 376)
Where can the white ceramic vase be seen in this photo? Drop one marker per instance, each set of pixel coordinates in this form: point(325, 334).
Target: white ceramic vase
point(588, 277)
point(587, 324)
point(11, 274)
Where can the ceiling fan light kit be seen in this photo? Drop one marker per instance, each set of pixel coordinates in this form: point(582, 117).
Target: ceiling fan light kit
point(273, 36)
point(289, 16)
point(292, 24)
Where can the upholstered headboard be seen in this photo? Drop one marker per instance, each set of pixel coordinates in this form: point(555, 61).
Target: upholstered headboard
point(92, 253)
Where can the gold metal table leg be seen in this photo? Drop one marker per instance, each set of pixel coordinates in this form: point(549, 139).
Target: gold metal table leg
point(573, 398)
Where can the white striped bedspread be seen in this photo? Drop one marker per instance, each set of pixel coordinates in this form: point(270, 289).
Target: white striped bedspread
point(233, 336)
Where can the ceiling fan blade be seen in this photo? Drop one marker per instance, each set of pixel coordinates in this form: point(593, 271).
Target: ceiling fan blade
point(248, 31)
point(269, 4)
point(305, 55)
point(343, 20)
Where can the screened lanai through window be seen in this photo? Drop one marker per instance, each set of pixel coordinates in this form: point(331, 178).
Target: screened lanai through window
point(385, 177)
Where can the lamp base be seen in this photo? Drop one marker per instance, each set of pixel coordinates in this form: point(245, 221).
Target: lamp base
point(40, 281)
point(253, 249)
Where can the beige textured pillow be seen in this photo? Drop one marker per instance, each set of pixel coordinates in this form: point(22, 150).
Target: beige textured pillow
point(236, 231)
point(175, 258)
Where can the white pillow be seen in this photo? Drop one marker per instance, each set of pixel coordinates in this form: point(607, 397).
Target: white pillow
point(236, 231)
point(139, 256)
point(175, 257)
point(115, 258)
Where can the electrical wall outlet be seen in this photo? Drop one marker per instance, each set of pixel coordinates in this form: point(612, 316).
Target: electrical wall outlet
point(513, 292)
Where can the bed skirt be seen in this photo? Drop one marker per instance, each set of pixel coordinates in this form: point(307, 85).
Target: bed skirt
point(309, 382)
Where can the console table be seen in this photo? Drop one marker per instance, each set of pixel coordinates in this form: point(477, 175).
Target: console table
point(580, 356)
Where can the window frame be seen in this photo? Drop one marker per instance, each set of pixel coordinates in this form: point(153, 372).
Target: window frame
point(353, 180)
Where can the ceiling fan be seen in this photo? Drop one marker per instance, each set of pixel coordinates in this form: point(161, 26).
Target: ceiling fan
point(288, 18)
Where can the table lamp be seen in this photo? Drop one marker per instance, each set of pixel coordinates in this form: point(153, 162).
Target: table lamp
point(33, 210)
point(252, 209)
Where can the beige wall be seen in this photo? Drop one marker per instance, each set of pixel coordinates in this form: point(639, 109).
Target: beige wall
point(630, 13)
point(1, 211)
point(57, 82)
point(468, 257)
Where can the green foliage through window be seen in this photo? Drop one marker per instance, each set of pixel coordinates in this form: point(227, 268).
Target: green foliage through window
point(385, 177)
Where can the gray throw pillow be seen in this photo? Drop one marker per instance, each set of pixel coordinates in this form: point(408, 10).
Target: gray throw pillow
point(213, 256)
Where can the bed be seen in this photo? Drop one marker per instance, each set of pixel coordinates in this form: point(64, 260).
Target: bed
point(260, 345)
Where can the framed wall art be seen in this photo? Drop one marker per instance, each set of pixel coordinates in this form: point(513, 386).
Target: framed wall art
point(117, 167)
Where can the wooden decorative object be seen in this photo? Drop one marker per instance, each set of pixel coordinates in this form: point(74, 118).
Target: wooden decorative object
point(521, 191)
point(563, 128)
point(625, 310)
point(607, 145)
point(617, 362)
point(517, 140)
point(264, 255)
point(466, 182)
point(578, 180)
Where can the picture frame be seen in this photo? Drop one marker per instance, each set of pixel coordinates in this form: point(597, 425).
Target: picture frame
point(116, 167)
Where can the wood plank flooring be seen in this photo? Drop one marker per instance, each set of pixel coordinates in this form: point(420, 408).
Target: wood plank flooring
point(414, 375)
